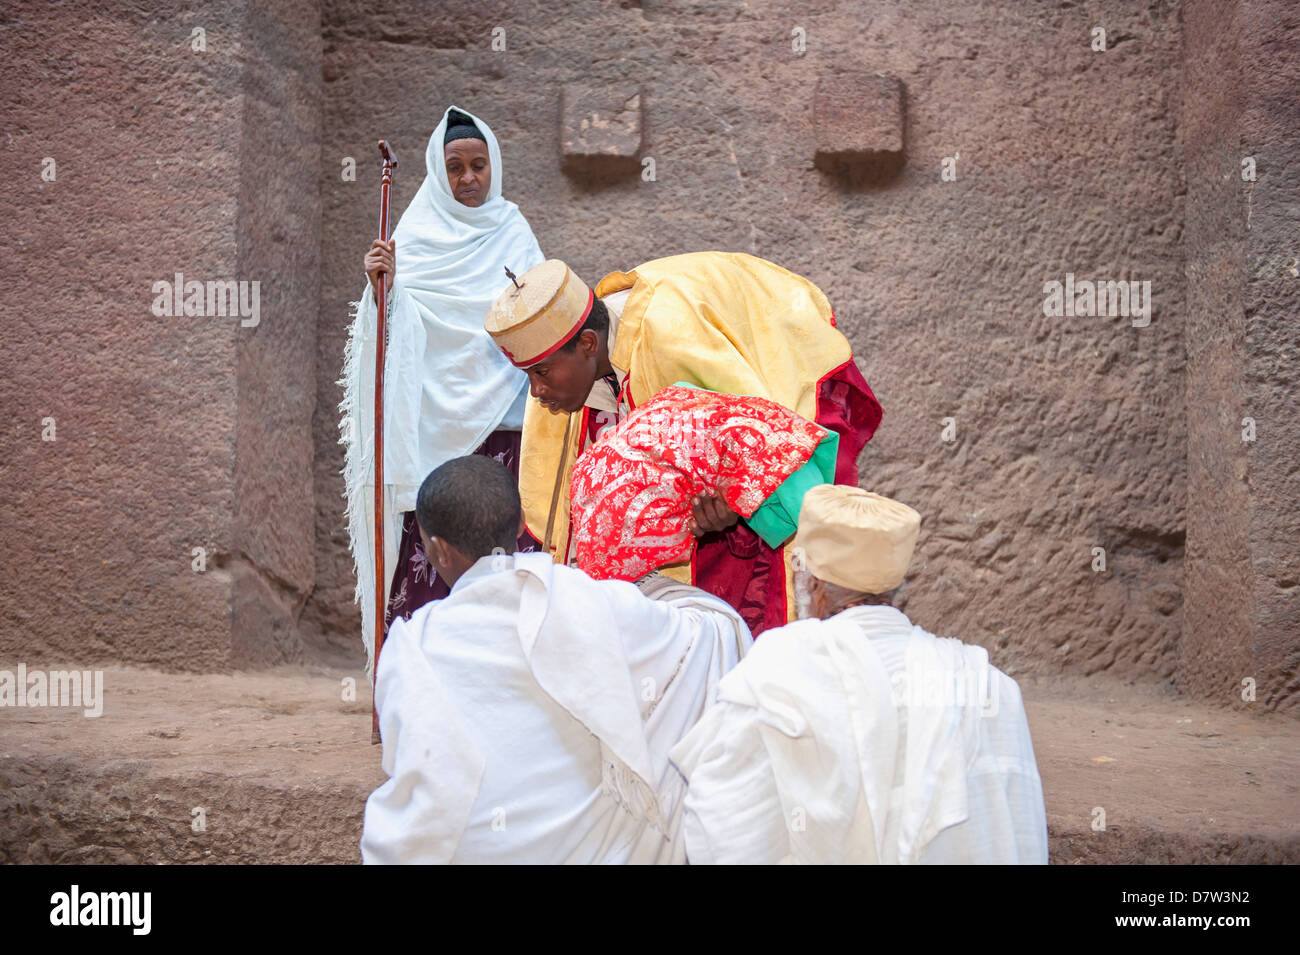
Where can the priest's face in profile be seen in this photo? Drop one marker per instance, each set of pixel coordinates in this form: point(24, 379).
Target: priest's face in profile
point(563, 381)
point(469, 173)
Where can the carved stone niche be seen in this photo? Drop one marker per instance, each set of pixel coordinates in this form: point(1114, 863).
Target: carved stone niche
point(858, 120)
point(600, 131)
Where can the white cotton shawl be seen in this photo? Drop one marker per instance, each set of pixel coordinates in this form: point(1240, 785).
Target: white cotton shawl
point(509, 637)
point(828, 746)
point(446, 384)
point(803, 702)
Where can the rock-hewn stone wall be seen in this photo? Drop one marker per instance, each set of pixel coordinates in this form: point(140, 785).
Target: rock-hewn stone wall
point(1060, 461)
point(1069, 432)
point(1242, 77)
point(133, 438)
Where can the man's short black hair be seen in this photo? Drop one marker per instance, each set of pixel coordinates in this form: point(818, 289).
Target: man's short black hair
point(597, 321)
point(473, 504)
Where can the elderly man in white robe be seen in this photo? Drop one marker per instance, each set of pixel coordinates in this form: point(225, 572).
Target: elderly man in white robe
point(855, 736)
point(527, 717)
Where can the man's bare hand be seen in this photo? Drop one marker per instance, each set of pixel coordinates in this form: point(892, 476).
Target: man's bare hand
point(709, 513)
point(381, 258)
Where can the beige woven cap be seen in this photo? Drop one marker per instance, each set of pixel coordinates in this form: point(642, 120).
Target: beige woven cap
point(529, 321)
point(856, 539)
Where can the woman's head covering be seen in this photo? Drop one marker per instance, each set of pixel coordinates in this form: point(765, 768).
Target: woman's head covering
point(458, 221)
point(460, 126)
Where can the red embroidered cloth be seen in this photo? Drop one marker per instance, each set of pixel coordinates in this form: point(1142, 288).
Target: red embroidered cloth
point(631, 491)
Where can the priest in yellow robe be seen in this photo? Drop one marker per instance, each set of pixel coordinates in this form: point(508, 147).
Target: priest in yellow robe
point(725, 321)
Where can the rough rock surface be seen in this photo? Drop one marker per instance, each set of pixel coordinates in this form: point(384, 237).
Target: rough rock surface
point(1033, 445)
point(1242, 622)
point(1070, 433)
point(157, 469)
point(280, 765)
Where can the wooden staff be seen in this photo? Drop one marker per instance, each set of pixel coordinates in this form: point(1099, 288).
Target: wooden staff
point(381, 336)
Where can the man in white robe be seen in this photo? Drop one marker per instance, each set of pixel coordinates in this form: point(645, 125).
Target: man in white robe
point(856, 736)
point(528, 716)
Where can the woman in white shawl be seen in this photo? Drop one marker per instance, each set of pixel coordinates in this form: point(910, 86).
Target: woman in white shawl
point(448, 389)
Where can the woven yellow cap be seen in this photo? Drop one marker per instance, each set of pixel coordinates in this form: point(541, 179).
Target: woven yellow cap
point(856, 539)
point(530, 320)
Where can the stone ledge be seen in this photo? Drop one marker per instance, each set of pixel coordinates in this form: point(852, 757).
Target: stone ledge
point(281, 766)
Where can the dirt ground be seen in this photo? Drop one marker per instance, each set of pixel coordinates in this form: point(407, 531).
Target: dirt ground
point(274, 766)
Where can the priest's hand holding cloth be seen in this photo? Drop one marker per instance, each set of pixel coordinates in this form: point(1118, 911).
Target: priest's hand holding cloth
point(632, 490)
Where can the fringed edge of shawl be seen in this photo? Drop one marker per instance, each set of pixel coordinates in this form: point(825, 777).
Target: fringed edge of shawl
point(354, 473)
point(630, 791)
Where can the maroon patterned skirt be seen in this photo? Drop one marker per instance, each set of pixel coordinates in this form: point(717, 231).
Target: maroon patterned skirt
point(415, 582)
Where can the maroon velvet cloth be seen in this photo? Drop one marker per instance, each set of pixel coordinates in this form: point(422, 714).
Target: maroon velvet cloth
point(736, 565)
point(414, 581)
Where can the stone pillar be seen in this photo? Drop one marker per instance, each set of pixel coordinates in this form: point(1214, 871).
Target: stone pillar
point(1241, 116)
point(160, 456)
point(279, 219)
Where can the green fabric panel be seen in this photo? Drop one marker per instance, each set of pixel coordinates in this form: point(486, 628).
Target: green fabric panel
point(826, 457)
point(778, 516)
